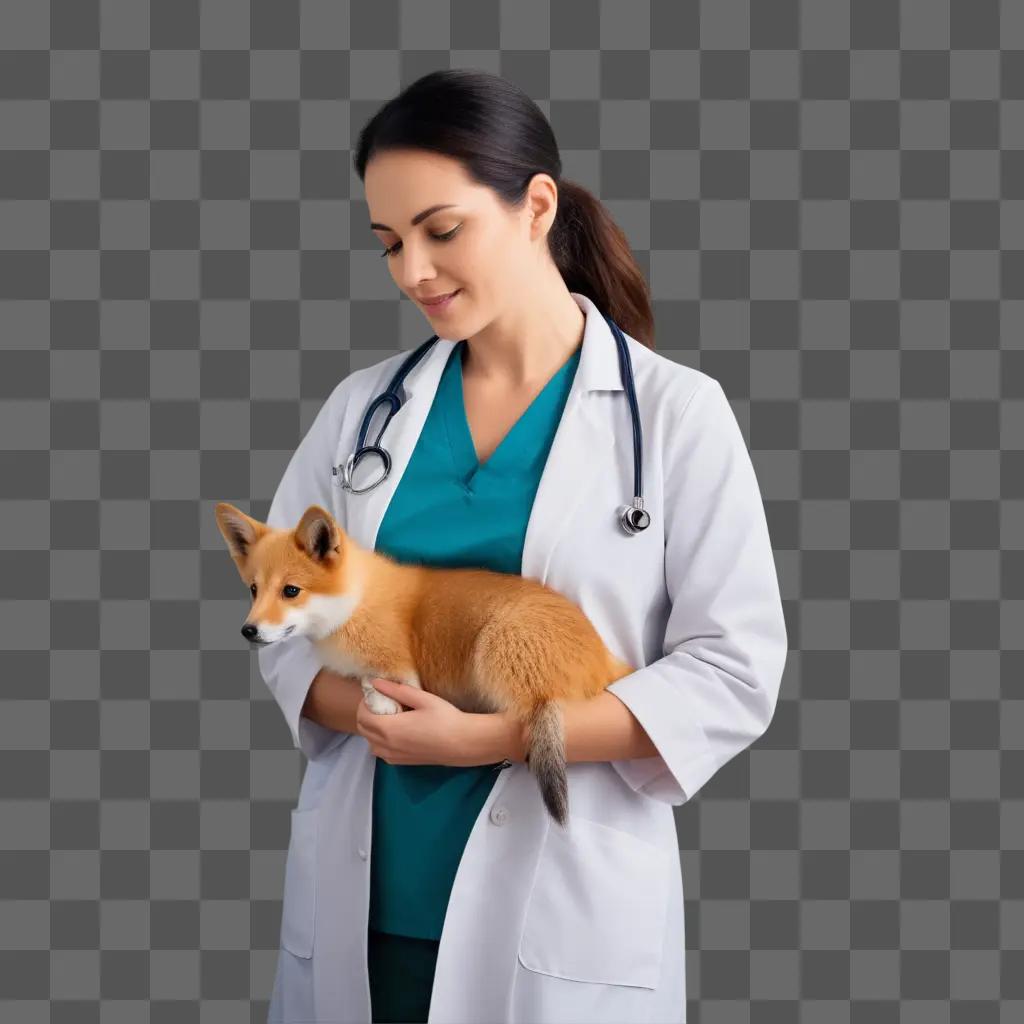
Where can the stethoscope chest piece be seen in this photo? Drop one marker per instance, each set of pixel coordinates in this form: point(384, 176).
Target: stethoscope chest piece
point(348, 469)
point(634, 518)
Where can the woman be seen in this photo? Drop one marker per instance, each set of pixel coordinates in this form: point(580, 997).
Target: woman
point(511, 452)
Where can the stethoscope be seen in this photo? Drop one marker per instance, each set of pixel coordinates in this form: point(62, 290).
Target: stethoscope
point(633, 518)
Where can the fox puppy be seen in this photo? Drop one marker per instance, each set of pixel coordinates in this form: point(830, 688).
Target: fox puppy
point(485, 641)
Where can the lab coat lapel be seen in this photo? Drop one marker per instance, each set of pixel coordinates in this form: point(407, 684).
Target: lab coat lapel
point(584, 431)
point(572, 463)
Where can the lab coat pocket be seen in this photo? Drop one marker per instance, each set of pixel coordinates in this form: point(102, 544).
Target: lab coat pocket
point(597, 909)
point(298, 914)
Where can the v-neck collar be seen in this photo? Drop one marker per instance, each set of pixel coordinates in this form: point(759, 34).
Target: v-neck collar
point(460, 438)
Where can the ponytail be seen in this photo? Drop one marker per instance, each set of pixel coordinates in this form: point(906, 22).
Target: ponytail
point(594, 257)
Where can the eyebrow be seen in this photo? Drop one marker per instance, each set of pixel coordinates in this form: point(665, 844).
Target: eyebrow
point(422, 215)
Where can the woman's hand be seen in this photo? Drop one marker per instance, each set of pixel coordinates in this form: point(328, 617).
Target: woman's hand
point(433, 731)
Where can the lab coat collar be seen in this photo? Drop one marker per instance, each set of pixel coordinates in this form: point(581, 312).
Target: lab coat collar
point(598, 368)
point(568, 472)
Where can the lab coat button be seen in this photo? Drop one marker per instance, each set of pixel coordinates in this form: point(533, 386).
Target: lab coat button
point(362, 853)
point(499, 815)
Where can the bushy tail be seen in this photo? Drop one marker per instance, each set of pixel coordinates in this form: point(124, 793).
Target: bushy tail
point(545, 757)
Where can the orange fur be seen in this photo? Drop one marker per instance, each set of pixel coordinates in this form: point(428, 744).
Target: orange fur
point(485, 641)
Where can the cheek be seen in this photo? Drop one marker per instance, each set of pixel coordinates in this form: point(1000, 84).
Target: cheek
point(488, 259)
point(468, 259)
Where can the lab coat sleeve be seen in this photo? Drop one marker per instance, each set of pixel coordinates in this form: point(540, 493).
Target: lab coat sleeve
point(288, 666)
point(714, 692)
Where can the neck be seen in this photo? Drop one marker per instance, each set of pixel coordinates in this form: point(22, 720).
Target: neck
point(523, 347)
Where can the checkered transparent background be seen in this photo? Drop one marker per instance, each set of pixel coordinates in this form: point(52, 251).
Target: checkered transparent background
point(828, 199)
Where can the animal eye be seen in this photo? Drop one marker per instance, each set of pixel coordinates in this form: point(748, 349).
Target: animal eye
point(252, 589)
point(290, 590)
point(438, 238)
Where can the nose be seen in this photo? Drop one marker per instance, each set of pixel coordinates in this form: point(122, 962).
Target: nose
point(250, 632)
point(416, 267)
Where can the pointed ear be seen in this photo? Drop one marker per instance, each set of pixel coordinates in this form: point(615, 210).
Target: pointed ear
point(240, 531)
point(317, 534)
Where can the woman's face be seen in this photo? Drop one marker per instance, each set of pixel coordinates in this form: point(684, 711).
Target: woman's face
point(475, 246)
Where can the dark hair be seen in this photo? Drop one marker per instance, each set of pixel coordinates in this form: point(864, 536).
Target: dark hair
point(502, 139)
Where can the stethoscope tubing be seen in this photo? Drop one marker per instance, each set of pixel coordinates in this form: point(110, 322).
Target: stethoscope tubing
point(634, 518)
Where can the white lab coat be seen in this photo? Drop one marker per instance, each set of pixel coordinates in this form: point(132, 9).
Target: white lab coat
point(545, 926)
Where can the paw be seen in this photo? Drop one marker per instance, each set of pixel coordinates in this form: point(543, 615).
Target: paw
point(377, 702)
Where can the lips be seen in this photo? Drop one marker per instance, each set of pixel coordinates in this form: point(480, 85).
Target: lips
point(437, 300)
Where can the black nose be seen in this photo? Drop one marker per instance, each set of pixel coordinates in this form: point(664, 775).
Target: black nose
point(250, 632)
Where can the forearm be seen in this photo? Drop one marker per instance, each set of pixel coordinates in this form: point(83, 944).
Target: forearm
point(598, 728)
point(333, 700)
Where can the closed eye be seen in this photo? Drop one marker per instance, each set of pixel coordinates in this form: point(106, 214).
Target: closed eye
point(447, 236)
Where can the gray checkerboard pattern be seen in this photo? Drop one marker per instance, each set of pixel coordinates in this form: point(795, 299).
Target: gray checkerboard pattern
point(828, 199)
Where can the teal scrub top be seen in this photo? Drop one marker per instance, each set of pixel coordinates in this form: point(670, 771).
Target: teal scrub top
point(449, 510)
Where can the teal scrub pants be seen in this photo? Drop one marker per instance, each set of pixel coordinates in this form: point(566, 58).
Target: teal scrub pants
point(401, 972)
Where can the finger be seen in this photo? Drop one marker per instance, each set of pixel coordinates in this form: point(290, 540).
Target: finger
point(366, 724)
point(410, 696)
